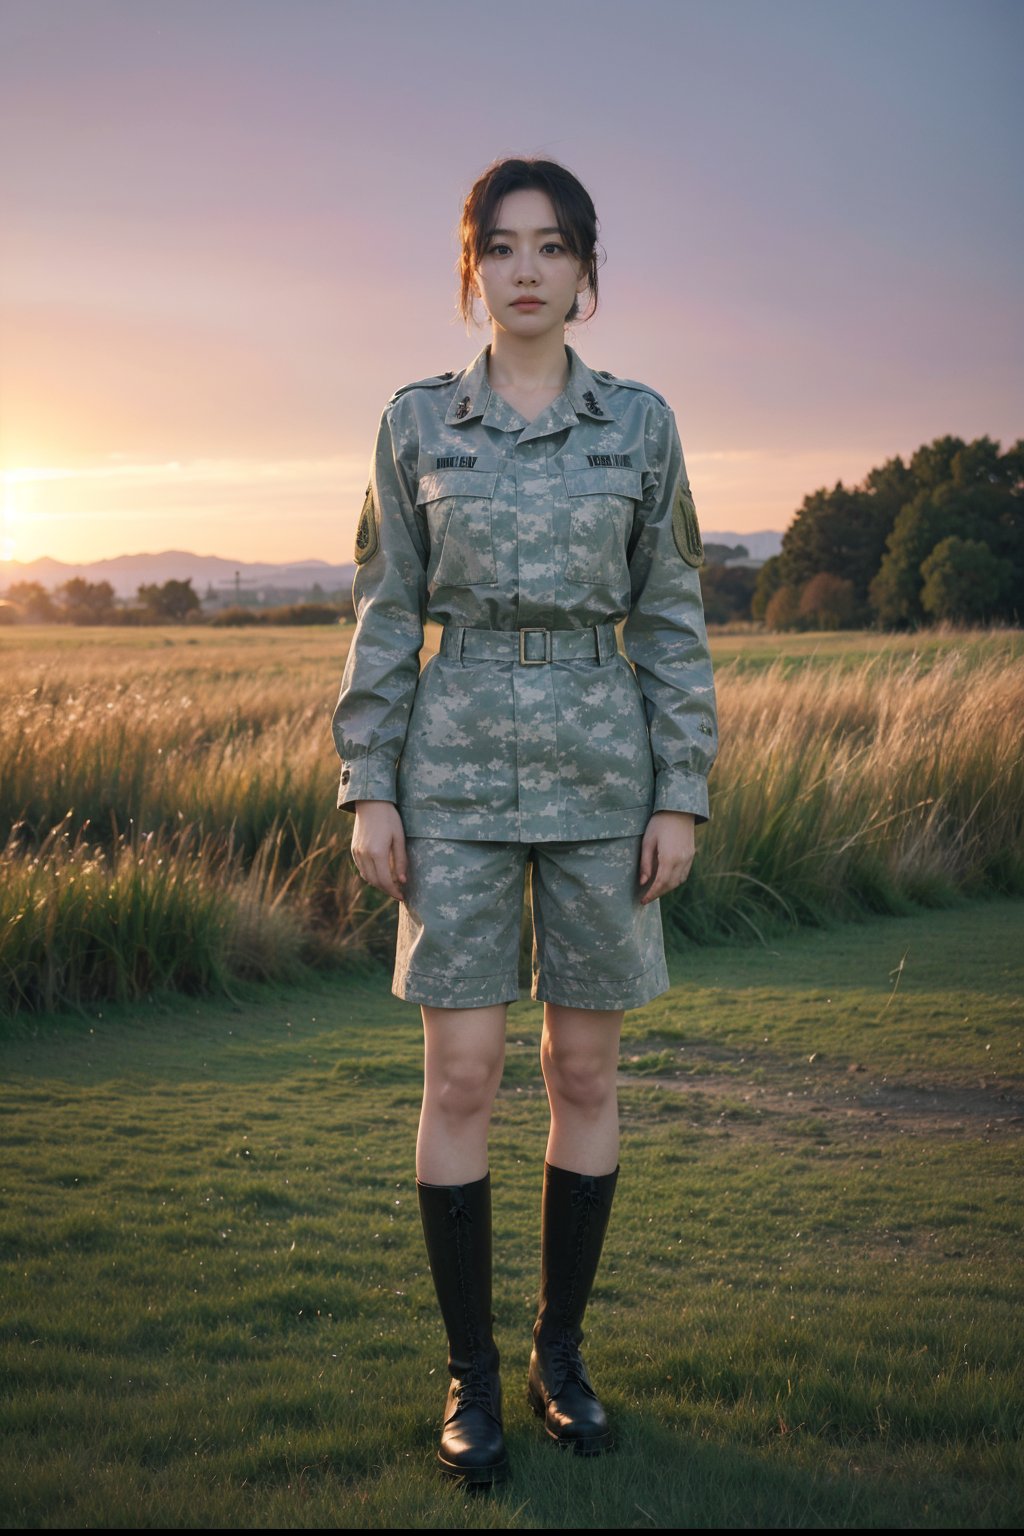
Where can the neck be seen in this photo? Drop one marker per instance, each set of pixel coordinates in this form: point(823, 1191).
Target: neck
point(528, 362)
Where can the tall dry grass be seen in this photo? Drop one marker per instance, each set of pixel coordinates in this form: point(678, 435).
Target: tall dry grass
point(867, 790)
point(169, 810)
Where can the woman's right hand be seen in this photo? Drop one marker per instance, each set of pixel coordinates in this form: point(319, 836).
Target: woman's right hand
point(378, 846)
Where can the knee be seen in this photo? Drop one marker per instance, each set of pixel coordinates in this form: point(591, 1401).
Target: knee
point(584, 1080)
point(461, 1088)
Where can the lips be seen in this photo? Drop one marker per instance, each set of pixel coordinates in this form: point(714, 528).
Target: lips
point(527, 303)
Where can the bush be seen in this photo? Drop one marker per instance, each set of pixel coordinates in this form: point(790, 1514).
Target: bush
point(303, 613)
point(828, 602)
point(783, 608)
point(235, 616)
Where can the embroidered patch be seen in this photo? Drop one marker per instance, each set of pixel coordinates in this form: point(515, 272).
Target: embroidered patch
point(610, 460)
point(366, 530)
point(590, 401)
point(455, 461)
point(685, 530)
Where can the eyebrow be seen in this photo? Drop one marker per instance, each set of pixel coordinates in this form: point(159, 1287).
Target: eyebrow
point(553, 230)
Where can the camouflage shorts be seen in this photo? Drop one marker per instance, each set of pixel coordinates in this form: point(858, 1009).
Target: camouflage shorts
point(594, 944)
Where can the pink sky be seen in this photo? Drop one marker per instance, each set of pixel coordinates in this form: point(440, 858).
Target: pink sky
point(229, 236)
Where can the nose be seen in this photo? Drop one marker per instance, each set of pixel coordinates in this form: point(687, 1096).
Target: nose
point(526, 272)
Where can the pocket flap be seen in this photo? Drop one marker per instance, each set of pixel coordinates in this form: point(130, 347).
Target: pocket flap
point(456, 482)
point(604, 481)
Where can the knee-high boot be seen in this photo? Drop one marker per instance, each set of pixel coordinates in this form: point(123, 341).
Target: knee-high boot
point(457, 1228)
point(574, 1218)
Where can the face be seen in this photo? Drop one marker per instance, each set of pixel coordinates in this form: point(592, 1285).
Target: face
point(527, 277)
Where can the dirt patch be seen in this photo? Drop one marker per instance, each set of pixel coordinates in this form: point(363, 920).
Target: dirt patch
point(850, 1102)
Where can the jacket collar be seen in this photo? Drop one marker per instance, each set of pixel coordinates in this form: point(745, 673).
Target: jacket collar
point(586, 396)
point(589, 394)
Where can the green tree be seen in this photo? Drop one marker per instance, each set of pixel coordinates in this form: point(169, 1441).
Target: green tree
point(169, 602)
point(769, 580)
point(964, 581)
point(727, 592)
point(982, 500)
point(718, 554)
point(932, 464)
point(33, 601)
point(87, 602)
point(841, 531)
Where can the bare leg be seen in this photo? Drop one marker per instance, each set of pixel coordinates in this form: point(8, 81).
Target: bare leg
point(464, 1054)
point(579, 1055)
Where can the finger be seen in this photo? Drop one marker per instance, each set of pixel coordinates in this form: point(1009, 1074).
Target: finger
point(669, 876)
point(368, 870)
point(399, 858)
point(648, 859)
point(379, 874)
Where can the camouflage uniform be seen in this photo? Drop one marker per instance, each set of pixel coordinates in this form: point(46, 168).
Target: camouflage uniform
point(529, 542)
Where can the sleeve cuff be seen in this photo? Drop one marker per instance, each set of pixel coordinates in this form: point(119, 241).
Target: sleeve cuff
point(372, 777)
point(680, 789)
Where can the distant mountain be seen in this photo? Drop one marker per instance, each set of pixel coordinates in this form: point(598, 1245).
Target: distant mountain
point(761, 545)
point(126, 573)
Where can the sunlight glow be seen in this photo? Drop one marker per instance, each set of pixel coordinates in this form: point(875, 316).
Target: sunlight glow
point(13, 510)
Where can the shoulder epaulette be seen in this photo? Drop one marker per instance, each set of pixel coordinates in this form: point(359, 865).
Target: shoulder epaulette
point(434, 382)
point(645, 389)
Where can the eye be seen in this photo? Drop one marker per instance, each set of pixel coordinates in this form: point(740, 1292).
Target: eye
point(499, 249)
point(553, 247)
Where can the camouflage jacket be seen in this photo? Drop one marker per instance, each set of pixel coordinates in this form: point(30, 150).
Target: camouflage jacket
point(475, 517)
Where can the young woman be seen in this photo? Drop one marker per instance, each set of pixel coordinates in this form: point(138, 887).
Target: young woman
point(527, 505)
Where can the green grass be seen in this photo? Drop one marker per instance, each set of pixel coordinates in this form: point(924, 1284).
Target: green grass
point(217, 1310)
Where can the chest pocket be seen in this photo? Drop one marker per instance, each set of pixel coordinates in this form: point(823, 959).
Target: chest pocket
point(457, 504)
point(602, 501)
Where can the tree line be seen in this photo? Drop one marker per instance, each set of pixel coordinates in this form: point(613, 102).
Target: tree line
point(170, 602)
point(938, 538)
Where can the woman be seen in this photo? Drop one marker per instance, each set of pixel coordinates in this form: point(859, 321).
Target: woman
point(528, 505)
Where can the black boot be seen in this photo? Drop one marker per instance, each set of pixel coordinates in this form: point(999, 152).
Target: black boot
point(574, 1216)
point(457, 1228)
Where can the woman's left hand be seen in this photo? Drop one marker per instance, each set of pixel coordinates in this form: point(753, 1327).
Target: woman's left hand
point(666, 853)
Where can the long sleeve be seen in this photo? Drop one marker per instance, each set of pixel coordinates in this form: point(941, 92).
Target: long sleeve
point(389, 594)
point(664, 634)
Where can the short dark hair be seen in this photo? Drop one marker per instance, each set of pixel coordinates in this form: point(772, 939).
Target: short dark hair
point(570, 199)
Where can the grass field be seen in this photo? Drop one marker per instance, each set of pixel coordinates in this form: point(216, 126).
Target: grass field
point(217, 1311)
point(167, 798)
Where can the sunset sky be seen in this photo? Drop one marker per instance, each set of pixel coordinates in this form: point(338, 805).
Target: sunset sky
point(227, 236)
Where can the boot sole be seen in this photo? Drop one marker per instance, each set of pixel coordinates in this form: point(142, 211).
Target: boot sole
point(579, 1445)
point(477, 1476)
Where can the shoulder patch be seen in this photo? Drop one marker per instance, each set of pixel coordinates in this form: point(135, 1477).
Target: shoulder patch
point(434, 382)
point(367, 539)
point(685, 529)
point(645, 389)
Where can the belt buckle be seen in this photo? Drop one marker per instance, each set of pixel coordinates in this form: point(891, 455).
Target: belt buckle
point(527, 661)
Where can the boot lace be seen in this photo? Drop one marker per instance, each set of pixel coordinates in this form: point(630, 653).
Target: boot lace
point(586, 1196)
point(474, 1390)
point(564, 1358)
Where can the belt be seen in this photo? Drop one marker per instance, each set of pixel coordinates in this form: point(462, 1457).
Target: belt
point(530, 647)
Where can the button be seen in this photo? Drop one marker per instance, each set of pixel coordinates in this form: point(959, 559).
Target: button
point(345, 775)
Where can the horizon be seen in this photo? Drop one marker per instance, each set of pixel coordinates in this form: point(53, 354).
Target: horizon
point(301, 560)
point(202, 324)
